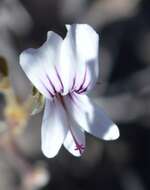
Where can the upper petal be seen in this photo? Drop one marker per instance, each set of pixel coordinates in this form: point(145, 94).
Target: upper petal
point(39, 65)
point(75, 140)
point(85, 44)
point(91, 118)
point(66, 65)
point(54, 128)
point(78, 61)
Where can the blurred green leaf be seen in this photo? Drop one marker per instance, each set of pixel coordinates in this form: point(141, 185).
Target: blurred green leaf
point(3, 67)
point(4, 80)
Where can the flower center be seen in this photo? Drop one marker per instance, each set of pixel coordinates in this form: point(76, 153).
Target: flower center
point(78, 147)
point(60, 98)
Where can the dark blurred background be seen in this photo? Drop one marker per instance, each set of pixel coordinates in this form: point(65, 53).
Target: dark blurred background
point(123, 90)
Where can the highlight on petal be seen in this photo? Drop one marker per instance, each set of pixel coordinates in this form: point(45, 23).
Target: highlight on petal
point(75, 140)
point(91, 118)
point(112, 133)
point(39, 65)
point(54, 128)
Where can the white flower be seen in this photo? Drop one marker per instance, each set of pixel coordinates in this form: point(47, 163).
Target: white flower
point(64, 70)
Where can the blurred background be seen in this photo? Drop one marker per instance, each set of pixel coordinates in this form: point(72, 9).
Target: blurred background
point(123, 91)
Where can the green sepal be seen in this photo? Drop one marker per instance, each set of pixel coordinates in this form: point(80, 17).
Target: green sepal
point(37, 101)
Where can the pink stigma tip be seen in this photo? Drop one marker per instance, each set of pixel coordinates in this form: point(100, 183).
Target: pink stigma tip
point(80, 147)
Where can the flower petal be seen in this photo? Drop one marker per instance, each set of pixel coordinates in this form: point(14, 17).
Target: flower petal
point(54, 128)
point(78, 64)
point(51, 51)
point(75, 140)
point(86, 46)
point(67, 62)
point(38, 64)
point(91, 118)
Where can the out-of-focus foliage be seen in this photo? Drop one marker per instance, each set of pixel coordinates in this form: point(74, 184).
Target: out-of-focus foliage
point(15, 115)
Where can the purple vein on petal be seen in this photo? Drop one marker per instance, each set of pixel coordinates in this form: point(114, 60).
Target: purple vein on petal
point(51, 84)
point(79, 147)
point(84, 89)
point(73, 84)
point(52, 95)
point(59, 79)
point(84, 79)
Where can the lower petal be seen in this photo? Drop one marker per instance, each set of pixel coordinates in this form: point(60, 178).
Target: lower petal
point(75, 140)
point(54, 128)
point(91, 118)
